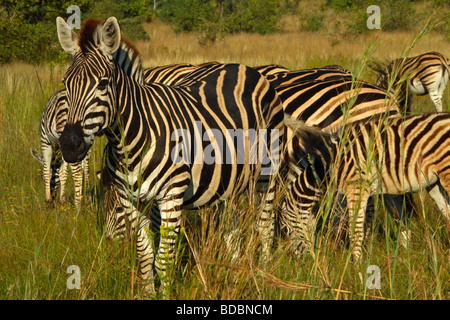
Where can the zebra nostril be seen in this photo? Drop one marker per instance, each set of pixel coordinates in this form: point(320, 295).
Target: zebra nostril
point(72, 143)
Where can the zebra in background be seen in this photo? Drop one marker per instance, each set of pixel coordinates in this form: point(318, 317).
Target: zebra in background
point(427, 73)
point(139, 121)
point(171, 74)
point(54, 168)
point(279, 77)
point(270, 69)
point(394, 155)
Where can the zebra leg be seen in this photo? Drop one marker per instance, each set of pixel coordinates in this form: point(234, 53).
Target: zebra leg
point(266, 223)
point(145, 255)
point(170, 211)
point(401, 207)
point(63, 181)
point(357, 204)
point(299, 218)
point(77, 175)
point(437, 100)
point(85, 166)
point(125, 221)
point(440, 194)
point(47, 153)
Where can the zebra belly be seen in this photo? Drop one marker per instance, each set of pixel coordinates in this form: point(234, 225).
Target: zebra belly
point(411, 183)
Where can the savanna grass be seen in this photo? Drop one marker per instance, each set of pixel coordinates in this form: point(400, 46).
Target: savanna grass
point(39, 242)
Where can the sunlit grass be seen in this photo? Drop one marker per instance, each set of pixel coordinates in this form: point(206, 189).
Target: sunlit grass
point(38, 243)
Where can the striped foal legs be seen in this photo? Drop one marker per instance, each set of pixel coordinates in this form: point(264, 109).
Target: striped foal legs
point(77, 175)
point(63, 180)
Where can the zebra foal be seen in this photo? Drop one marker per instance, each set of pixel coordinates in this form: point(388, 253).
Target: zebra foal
point(54, 169)
point(394, 155)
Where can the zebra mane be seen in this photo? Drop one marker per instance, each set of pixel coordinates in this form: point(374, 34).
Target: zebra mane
point(126, 57)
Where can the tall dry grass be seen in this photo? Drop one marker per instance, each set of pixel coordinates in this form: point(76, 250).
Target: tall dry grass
point(38, 243)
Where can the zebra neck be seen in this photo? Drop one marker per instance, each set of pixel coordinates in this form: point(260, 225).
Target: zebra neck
point(128, 60)
point(127, 129)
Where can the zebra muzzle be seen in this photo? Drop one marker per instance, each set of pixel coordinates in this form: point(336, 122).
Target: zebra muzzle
point(72, 143)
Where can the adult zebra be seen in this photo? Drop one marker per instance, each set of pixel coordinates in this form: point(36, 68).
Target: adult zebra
point(427, 73)
point(393, 155)
point(54, 168)
point(331, 105)
point(53, 120)
point(141, 121)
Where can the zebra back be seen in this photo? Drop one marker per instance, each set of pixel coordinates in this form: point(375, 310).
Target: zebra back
point(427, 73)
point(270, 69)
point(287, 78)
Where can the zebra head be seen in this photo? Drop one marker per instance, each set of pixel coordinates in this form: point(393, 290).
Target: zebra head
point(89, 83)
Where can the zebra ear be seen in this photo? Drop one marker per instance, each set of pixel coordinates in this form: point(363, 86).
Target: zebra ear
point(35, 154)
point(110, 36)
point(67, 37)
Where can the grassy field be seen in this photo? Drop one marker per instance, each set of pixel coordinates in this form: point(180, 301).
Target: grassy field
point(38, 243)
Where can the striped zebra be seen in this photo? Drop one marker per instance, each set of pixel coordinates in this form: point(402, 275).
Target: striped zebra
point(394, 155)
point(427, 73)
point(331, 105)
point(52, 124)
point(54, 168)
point(141, 121)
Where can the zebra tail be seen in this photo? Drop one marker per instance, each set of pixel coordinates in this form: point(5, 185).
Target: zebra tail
point(314, 140)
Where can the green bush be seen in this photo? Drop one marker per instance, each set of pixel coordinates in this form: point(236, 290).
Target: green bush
point(394, 15)
point(312, 23)
point(27, 42)
point(28, 29)
point(187, 15)
point(260, 16)
point(214, 18)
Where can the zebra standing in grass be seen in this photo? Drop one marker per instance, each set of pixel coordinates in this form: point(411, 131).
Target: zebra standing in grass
point(329, 104)
point(394, 155)
point(140, 120)
point(427, 73)
point(54, 169)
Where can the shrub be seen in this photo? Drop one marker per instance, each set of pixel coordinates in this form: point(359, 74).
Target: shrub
point(27, 42)
point(214, 18)
point(28, 30)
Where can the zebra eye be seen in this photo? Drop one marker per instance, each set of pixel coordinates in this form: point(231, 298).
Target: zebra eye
point(103, 84)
